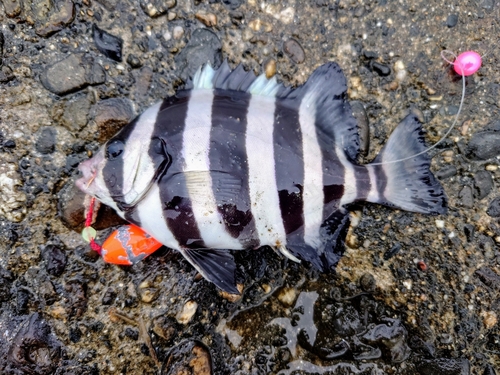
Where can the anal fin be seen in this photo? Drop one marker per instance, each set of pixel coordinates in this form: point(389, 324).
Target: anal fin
point(217, 266)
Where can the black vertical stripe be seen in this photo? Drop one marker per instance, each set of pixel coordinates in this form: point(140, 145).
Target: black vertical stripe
point(229, 164)
point(113, 169)
point(289, 164)
point(165, 151)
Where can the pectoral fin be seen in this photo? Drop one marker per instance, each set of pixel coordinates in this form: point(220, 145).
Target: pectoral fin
point(217, 266)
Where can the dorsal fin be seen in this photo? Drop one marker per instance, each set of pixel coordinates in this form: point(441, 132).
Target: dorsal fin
point(238, 80)
point(325, 91)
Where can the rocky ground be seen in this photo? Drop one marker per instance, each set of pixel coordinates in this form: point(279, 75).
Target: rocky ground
point(413, 294)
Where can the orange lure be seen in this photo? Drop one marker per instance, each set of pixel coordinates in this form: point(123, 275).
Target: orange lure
point(128, 245)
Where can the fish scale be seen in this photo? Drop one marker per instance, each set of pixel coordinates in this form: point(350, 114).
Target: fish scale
point(236, 162)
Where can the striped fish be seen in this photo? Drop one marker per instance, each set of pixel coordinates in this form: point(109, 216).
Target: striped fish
point(236, 162)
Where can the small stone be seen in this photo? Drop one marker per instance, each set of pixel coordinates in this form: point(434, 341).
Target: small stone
point(208, 19)
point(287, 296)
point(494, 208)
point(109, 296)
point(55, 260)
point(392, 251)
point(484, 145)
point(466, 197)
point(440, 224)
point(187, 312)
point(452, 20)
point(178, 32)
point(446, 172)
point(367, 282)
point(6, 74)
point(58, 20)
point(230, 296)
point(109, 45)
point(75, 112)
point(232, 4)
point(490, 319)
point(270, 68)
point(294, 51)
point(451, 366)
point(131, 333)
point(46, 141)
point(483, 184)
point(75, 334)
point(143, 78)
point(469, 231)
point(133, 61)
point(359, 113)
point(111, 115)
point(155, 8)
point(204, 46)
point(71, 74)
point(12, 8)
point(381, 69)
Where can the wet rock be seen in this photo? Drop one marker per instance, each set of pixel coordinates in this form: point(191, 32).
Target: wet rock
point(484, 145)
point(46, 141)
point(134, 61)
point(109, 296)
point(208, 19)
point(381, 69)
point(75, 112)
point(71, 210)
point(466, 197)
point(443, 366)
point(72, 74)
point(270, 68)
point(155, 8)
point(189, 357)
point(232, 4)
point(55, 260)
point(488, 277)
point(111, 115)
point(204, 46)
point(294, 51)
point(494, 208)
point(469, 231)
point(165, 327)
point(186, 314)
point(452, 20)
point(6, 74)
point(12, 8)
point(392, 336)
point(483, 184)
point(61, 17)
point(34, 349)
point(367, 282)
point(109, 45)
point(446, 172)
point(76, 303)
point(359, 113)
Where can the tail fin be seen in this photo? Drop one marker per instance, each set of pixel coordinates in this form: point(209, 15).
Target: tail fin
point(407, 184)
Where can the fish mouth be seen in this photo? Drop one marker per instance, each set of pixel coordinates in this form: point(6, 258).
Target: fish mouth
point(88, 170)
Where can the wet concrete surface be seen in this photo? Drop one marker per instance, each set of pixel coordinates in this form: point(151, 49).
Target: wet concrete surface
point(413, 294)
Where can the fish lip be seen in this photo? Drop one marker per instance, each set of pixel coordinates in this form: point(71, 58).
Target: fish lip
point(88, 169)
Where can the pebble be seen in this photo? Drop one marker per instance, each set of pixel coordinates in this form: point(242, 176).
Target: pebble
point(71, 74)
point(359, 113)
point(75, 113)
point(12, 8)
point(188, 357)
point(204, 46)
point(108, 44)
point(232, 4)
point(108, 297)
point(6, 74)
point(488, 277)
point(367, 282)
point(257, 25)
point(208, 19)
point(63, 16)
point(111, 115)
point(178, 32)
point(451, 366)
point(381, 69)
point(446, 172)
point(466, 197)
point(452, 20)
point(187, 312)
point(12, 198)
point(270, 68)
point(46, 140)
point(484, 145)
point(55, 260)
point(155, 8)
point(134, 61)
point(469, 231)
point(494, 208)
point(483, 184)
point(490, 319)
point(287, 296)
point(294, 51)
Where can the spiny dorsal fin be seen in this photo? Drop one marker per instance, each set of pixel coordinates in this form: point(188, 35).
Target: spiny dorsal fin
point(238, 80)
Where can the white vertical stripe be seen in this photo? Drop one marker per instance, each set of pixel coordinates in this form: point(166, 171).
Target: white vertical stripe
point(137, 161)
point(373, 195)
point(313, 196)
point(350, 189)
point(261, 171)
point(195, 151)
point(150, 212)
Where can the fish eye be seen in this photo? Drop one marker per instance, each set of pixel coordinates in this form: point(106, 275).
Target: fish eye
point(114, 149)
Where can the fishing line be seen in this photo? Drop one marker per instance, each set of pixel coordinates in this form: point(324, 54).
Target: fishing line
point(465, 64)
